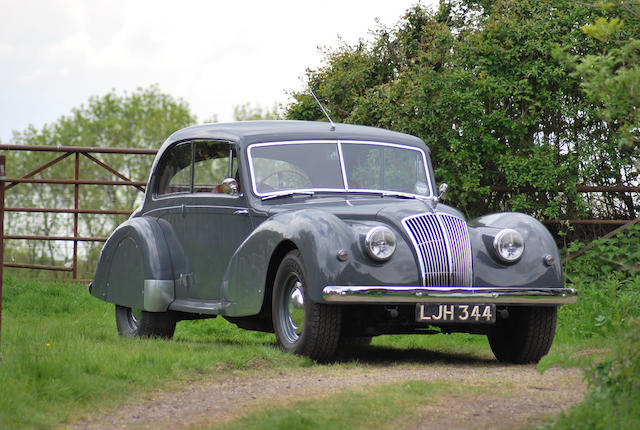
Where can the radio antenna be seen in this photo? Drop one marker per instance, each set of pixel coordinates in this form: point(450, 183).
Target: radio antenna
point(324, 111)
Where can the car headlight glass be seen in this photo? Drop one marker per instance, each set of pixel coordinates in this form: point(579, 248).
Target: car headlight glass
point(509, 245)
point(380, 243)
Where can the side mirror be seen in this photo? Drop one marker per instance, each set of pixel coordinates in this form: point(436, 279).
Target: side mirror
point(230, 186)
point(442, 191)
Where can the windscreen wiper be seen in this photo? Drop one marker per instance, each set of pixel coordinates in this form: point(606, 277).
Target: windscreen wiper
point(398, 194)
point(286, 194)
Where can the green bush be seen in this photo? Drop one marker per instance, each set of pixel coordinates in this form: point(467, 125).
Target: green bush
point(608, 311)
point(614, 400)
point(608, 282)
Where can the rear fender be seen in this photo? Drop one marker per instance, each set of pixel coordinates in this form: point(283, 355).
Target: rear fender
point(136, 268)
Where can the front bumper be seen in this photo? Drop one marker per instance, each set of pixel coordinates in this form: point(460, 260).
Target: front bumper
point(497, 295)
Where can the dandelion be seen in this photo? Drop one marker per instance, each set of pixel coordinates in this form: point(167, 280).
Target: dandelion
point(48, 345)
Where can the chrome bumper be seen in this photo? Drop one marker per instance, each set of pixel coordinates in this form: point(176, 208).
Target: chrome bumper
point(497, 295)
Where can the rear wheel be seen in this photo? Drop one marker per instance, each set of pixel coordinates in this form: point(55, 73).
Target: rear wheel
point(138, 323)
point(525, 336)
point(301, 326)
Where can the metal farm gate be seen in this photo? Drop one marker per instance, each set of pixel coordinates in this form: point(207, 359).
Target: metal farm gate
point(75, 152)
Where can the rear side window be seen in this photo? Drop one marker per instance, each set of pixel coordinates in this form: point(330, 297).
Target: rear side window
point(175, 170)
point(196, 167)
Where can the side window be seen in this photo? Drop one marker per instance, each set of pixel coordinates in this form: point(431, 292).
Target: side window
point(175, 171)
point(213, 163)
point(199, 166)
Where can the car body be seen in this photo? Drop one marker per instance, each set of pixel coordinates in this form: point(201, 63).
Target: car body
point(326, 235)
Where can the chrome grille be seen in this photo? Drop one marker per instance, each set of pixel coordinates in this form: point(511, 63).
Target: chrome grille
point(443, 247)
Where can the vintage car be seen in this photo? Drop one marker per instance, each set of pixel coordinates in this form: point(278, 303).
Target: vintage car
point(326, 235)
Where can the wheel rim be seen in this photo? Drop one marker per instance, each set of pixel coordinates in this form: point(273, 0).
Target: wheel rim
point(292, 310)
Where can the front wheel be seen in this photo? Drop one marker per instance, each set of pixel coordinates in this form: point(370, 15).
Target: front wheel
point(525, 336)
point(137, 323)
point(301, 326)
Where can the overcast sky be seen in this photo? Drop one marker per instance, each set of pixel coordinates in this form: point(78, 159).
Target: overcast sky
point(55, 54)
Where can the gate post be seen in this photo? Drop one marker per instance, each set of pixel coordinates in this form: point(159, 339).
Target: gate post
point(3, 176)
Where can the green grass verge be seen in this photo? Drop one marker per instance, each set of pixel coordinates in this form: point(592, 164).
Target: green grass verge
point(61, 354)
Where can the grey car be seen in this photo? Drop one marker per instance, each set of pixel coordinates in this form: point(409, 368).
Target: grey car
point(326, 235)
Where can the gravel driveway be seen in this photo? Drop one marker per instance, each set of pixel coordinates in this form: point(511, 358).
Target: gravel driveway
point(518, 396)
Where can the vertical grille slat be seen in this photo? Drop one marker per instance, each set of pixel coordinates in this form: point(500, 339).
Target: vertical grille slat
point(443, 247)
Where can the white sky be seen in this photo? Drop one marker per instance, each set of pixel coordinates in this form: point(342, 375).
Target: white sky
point(55, 54)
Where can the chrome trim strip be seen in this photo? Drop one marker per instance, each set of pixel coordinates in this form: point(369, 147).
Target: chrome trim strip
point(343, 168)
point(443, 248)
point(410, 294)
point(447, 246)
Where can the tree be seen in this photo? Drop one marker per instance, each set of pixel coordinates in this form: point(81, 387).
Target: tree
point(480, 84)
point(610, 79)
point(247, 112)
point(142, 119)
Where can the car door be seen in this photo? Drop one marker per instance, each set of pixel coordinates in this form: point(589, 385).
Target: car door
point(215, 221)
point(209, 220)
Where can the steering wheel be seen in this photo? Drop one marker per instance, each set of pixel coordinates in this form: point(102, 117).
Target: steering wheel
point(279, 174)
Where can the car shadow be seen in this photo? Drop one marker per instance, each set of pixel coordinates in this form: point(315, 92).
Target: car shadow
point(381, 355)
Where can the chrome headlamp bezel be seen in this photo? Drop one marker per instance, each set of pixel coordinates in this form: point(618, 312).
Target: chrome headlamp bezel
point(380, 243)
point(508, 245)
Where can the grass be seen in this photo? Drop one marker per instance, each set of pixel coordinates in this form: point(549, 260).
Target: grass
point(386, 406)
point(61, 354)
point(62, 357)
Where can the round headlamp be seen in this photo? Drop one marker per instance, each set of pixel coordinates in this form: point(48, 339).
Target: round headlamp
point(380, 243)
point(509, 245)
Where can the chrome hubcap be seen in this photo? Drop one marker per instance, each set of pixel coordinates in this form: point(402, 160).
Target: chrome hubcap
point(134, 317)
point(293, 309)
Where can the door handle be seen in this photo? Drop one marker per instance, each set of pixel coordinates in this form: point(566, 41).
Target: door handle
point(240, 212)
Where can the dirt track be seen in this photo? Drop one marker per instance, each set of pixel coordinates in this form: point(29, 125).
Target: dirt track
point(518, 396)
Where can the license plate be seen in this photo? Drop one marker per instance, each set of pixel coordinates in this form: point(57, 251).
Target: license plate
point(455, 313)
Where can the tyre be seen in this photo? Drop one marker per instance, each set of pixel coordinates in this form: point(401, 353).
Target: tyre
point(525, 336)
point(301, 326)
point(137, 323)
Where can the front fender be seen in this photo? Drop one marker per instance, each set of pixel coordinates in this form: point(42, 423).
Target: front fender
point(318, 235)
point(315, 233)
point(135, 268)
point(530, 270)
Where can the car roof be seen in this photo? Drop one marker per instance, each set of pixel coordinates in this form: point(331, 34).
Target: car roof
point(247, 132)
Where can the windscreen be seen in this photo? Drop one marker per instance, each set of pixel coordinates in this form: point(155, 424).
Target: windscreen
point(296, 166)
point(317, 166)
point(385, 167)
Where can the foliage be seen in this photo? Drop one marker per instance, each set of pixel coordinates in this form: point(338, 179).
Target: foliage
point(247, 112)
point(614, 400)
point(607, 278)
point(486, 86)
point(608, 310)
point(142, 119)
